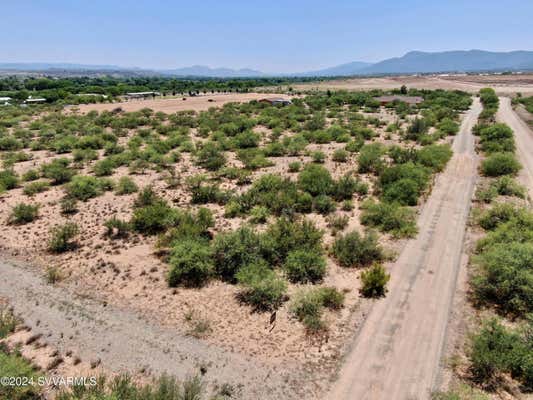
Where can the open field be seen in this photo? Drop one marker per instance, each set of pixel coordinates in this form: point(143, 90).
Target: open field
point(196, 103)
point(503, 84)
point(246, 187)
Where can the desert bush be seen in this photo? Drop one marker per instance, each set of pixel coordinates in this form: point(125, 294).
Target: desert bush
point(340, 155)
point(498, 350)
point(23, 213)
point(498, 164)
point(284, 236)
point(345, 187)
point(233, 250)
point(370, 158)
point(211, 157)
point(507, 186)
point(146, 197)
point(104, 167)
point(338, 222)
point(259, 215)
point(435, 156)
point(61, 237)
point(315, 180)
point(117, 228)
point(14, 365)
point(191, 263)
point(32, 188)
point(496, 215)
point(263, 289)
point(504, 278)
point(68, 205)
point(323, 204)
point(295, 166)
point(83, 187)
point(58, 171)
point(374, 281)
point(31, 175)
point(497, 138)
point(305, 266)
point(308, 306)
point(154, 218)
point(126, 185)
point(355, 250)
point(8, 322)
point(52, 275)
point(8, 180)
point(404, 183)
point(318, 157)
point(389, 217)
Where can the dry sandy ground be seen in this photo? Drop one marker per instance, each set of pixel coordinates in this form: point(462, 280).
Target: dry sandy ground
point(397, 352)
point(503, 84)
point(198, 103)
point(524, 141)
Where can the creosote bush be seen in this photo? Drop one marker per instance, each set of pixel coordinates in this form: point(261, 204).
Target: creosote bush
point(262, 288)
point(374, 281)
point(498, 164)
point(305, 266)
point(23, 213)
point(356, 250)
point(61, 237)
point(125, 185)
point(191, 263)
point(389, 217)
point(308, 306)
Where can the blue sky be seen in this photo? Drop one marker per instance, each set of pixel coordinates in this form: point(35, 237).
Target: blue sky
point(271, 35)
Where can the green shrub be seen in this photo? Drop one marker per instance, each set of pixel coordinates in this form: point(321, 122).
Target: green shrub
point(31, 175)
point(404, 183)
point(355, 250)
point(117, 227)
point(498, 164)
point(191, 263)
point(294, 166)
point(259, 215)
point(389, 217)
point(210, 157)
point(146, 197)
point(374, 281)
point(233, 250)
point(497, 138)
point(126, 185)
point(496, 215)
point(340, 155)
point(323, 204)
point(154, 218)
point(507, 186)
point(435, 156)
point(83, 187)
point(8, 322)
point(285, 235)
point(263, 289)
point(370, 158)
point(23, 213)
point(338, 222)
point(315, 180)
point(8, 180)
point(61, 237)
point(345, 187)
point(318, 157)
point(308, 306)
point(32, 188)
point(68, 205)
point(305, 266)
point(104, 167)
point(504, 277)
point(58, 171)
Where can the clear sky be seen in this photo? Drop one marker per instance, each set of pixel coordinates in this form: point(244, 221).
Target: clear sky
point(268, 35)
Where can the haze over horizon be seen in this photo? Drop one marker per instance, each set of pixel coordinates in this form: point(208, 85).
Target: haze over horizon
point(272, 38)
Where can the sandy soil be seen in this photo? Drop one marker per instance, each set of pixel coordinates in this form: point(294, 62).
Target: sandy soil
point(524, 141)
point(503, 84)
point(198, 103)
point(397, 352)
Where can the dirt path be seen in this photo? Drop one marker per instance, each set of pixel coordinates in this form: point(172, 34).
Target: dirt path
point(524, 141)
point(123, 341)
point(397, 352)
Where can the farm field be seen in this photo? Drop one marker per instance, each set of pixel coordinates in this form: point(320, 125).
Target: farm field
point(503, 84)
point(259, 236)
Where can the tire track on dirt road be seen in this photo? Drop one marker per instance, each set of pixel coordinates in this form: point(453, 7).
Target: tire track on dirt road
point(397, 352)
point(524, 141)
point(126, 342)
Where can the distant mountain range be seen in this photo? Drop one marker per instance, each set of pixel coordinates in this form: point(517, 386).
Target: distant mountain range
point(411, 63)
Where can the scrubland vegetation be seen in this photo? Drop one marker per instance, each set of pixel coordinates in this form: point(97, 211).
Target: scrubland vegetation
point(499, 347)
point(270, 202)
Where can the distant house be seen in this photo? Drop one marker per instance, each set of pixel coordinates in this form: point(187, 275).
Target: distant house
point(411, 100)
point(5, 100)
point(141, 95)
point(35, 100)
point(274, 101)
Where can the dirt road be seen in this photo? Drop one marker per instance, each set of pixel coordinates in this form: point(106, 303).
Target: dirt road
point(397, 352)
point(524, 141)
point(124, 341)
